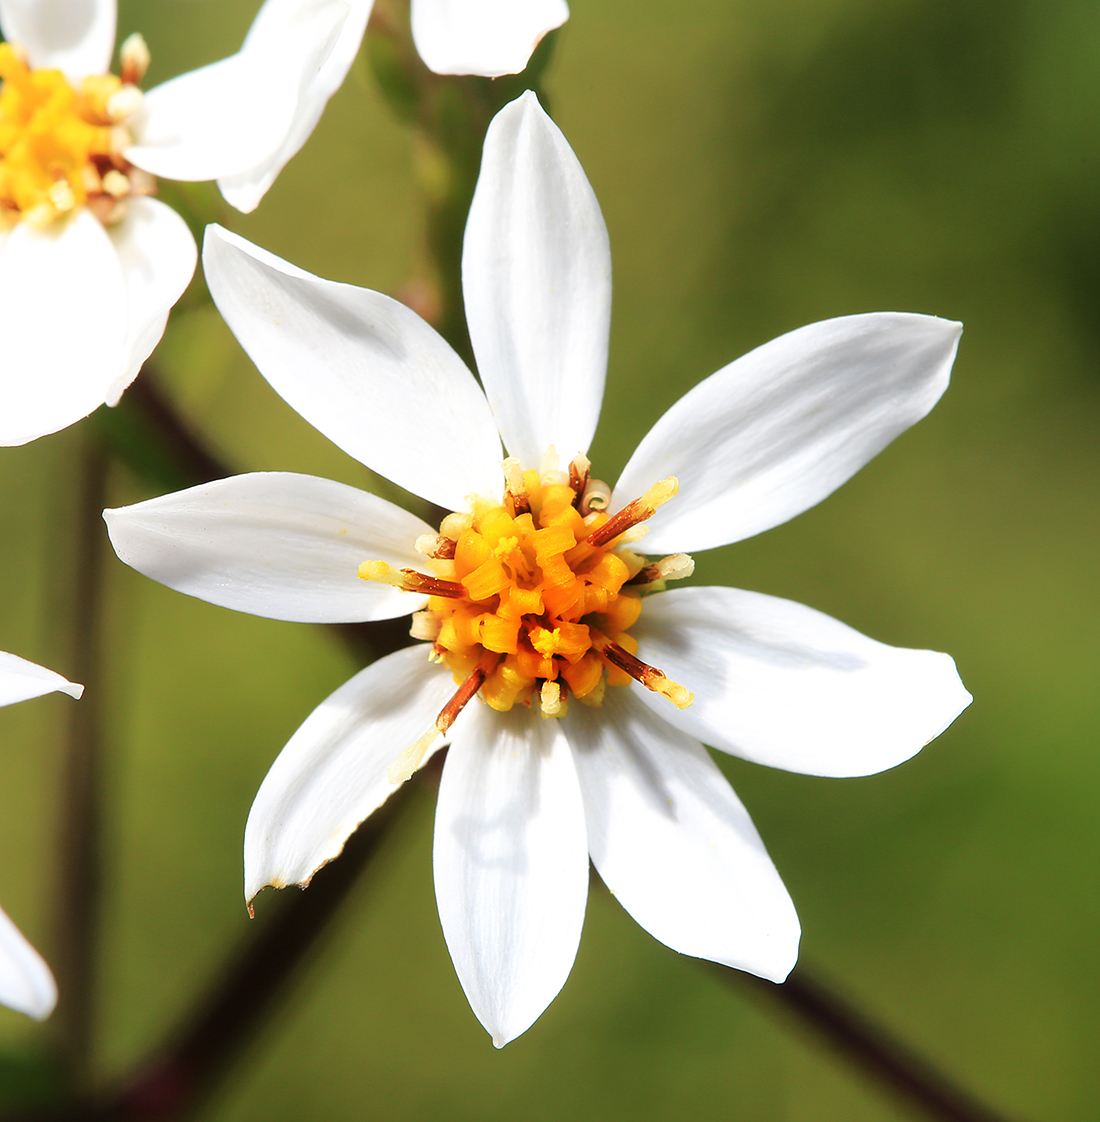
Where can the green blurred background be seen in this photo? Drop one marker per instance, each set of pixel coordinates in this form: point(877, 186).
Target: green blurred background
point(760, 166)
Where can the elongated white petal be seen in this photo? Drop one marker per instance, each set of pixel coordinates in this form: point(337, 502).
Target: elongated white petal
point(511, 864)
point(781, 684)
point(536, 274)
point(274, 544)
point(775, 432)
point(26, 983)
point(74, 36)
point(63, 323)
point(332, 773)
point(488, 37)
point(246, 189)
point(21, 680)
point(674, 844)
point(157, 255)
point(363, 369)
point(226, 118)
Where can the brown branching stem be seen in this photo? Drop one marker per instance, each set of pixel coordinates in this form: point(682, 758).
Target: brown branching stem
point(80, 879)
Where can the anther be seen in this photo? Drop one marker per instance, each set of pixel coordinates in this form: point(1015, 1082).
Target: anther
point(515, 493)
point(649, 676)
point(552, 700)
point(596, 497)
point(637, 511)
point(124, 103)
point(579, 470)
point(134, 59)
point(409, 580)
point(677, 566)
point(404, 767)
point(436, 546)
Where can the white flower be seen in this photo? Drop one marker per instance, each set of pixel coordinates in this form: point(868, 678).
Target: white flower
point(26, 983)
point(524, 800)
point(89, 263)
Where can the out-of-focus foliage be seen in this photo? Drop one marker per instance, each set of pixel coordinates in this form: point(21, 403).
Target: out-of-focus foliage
point(760, 167)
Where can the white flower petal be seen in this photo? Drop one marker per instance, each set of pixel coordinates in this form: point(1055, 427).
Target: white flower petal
point(674, 844)
point(21, 680)
point(487, 37)
point(332, 773)
point(784, 685)
point(63, 322)
point(511, 864)
point(363, 369)
point(158, 257)
point(26, 983)
point(245, 190)
point(274, 544)
point(74, 36)
point(226, 118)
point(775, 432)
point(536, 275)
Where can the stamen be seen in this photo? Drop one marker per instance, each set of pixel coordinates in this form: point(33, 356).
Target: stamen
point(404, 767)
point(677, 566)
point(425, 625)
point(579, 470)
point(552, 700)
point(649, 676)
point(436, 546)
point(409, 580)
point(596, 497)
point(515, 491)
point(134, 59)
point(637, 511)
point(124, 103)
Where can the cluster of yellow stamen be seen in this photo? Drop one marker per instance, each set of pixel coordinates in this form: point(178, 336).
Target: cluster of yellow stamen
point(61, 148)
point(531, 600)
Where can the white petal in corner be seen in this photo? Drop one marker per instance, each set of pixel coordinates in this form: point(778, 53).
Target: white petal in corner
point(674, 844)
point(21, 680)
point(780, 684)
point(227, 117)
point(74, 36)
point(245, 190)
point(536, 275)
point(487, 37)
point(158, 256)
point(775, 432)
point(274, 544)
point(363, 369)
point(511, 864)
point(332, 773)
point(26, 983)
point(63, 322)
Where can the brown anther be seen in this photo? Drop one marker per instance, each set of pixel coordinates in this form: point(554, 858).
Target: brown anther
point(516, 501)
point(406, 764)
point(677, 566)
point(649, 676)
point(409, 580)
point(436, 546)
point(637, 511)
point(579, 470)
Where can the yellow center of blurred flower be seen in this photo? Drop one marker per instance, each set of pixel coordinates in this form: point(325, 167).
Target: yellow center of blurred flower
point(61, 148)
point(531, 599)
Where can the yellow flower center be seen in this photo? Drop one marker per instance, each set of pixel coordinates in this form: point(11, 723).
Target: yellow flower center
point(61, 148)
point(531, 599)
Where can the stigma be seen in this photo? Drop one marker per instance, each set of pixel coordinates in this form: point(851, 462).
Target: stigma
point(531, 599)
point(62, 148)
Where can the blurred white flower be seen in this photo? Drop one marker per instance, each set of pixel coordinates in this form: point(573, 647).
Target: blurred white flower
point(26, 983)
point(90, 264)
point(531, 598)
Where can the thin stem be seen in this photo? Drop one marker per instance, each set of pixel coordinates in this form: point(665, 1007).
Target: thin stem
point(80, 878)
point(867, 1046)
